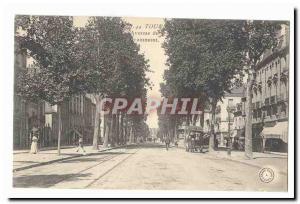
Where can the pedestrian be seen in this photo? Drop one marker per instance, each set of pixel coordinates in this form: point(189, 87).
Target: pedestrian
point(226, 143)
point(176, 143)
point(80, 145)
point(216, 143)
point(167, 141)
point(34, 140)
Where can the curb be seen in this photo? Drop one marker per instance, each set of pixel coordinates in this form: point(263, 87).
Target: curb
point(252, 165)
point(44, 149)
point(276, 153)
point(66, 158)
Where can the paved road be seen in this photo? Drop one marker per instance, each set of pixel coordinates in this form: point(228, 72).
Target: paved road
point(149, 167)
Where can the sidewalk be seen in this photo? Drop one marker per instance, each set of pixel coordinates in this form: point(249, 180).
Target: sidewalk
point(276, 161)
point(21, 151)
point(24, 160)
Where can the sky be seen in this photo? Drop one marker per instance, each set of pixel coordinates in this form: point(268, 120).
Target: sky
point(146, 28)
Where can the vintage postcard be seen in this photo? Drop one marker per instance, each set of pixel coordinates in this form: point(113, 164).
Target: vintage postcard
point(141, 103)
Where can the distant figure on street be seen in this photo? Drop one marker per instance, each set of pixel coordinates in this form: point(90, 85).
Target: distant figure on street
point(167, 141)
point(34, 140)
point(80, 145)
point(216, 143)
point(176, 143)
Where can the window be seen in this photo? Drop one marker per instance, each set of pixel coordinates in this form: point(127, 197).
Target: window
point(259, 113)
point(254, 114)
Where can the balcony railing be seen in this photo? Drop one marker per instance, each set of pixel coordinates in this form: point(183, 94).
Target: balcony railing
point(281, 98)
point(267, 102)
point(272, 100)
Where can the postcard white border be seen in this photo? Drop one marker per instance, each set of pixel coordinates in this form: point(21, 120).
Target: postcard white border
point(216, 9)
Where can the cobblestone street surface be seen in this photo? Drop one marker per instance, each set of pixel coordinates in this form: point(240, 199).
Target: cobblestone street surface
point(151, 167)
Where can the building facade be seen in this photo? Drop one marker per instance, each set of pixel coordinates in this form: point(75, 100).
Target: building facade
point(270, 99)
point(225, 128)
point(271, 95)
point(78, 115)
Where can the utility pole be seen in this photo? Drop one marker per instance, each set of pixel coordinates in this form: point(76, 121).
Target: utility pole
point(229, 138)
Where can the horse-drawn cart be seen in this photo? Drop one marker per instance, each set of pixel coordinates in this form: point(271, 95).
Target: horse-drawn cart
point(195, 139)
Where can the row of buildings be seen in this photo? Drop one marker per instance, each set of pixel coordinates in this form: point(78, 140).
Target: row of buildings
point(78, 116)
point(270, 104)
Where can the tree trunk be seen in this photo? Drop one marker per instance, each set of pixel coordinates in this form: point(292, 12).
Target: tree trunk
point(248, 123)
point(104, 127)
point(112, 130)
point(187, 119)
point(122, 128)
point(131, 135)
point(59, 128)
point(96, 124)
point(117, 128)
point(212, 126)
point(194, 119)
point(106, 131)
point(175, 129)
point(202, 119)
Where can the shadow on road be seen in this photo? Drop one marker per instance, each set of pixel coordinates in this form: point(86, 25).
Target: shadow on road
point(44, 181)
point(89, 159)
point(148, 145)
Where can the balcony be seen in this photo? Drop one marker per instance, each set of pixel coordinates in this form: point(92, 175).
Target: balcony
point(272, 100)
point(231, 119)
point(284, 76)
point(271, 118)
point(258, 105)
point(218, 120)
point(281, 98)
point(267, 102)
point(256, 120)
point(282, 116)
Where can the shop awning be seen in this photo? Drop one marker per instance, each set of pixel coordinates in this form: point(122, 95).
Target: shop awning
point(279, 131)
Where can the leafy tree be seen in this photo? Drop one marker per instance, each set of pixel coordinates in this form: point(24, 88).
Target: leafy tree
point(114, 68)
point(49, 40)
point(204, 57)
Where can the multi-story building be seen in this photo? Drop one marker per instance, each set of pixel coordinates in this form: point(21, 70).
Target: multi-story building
point(239, 113)
point(78, 118)
point(25, 113)
point(224, 115)
point(78, 115)
point(224, 127)
point(271, 95)
point(270, 99)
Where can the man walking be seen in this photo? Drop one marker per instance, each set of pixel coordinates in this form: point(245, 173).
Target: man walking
point(167, 141)
point(80, 145)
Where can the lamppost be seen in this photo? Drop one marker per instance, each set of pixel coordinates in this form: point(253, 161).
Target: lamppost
point(229, 108)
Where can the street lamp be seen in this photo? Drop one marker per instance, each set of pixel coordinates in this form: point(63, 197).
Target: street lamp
point(229, 110)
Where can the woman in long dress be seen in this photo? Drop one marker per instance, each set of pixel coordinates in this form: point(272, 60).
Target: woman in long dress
point(34, 139)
